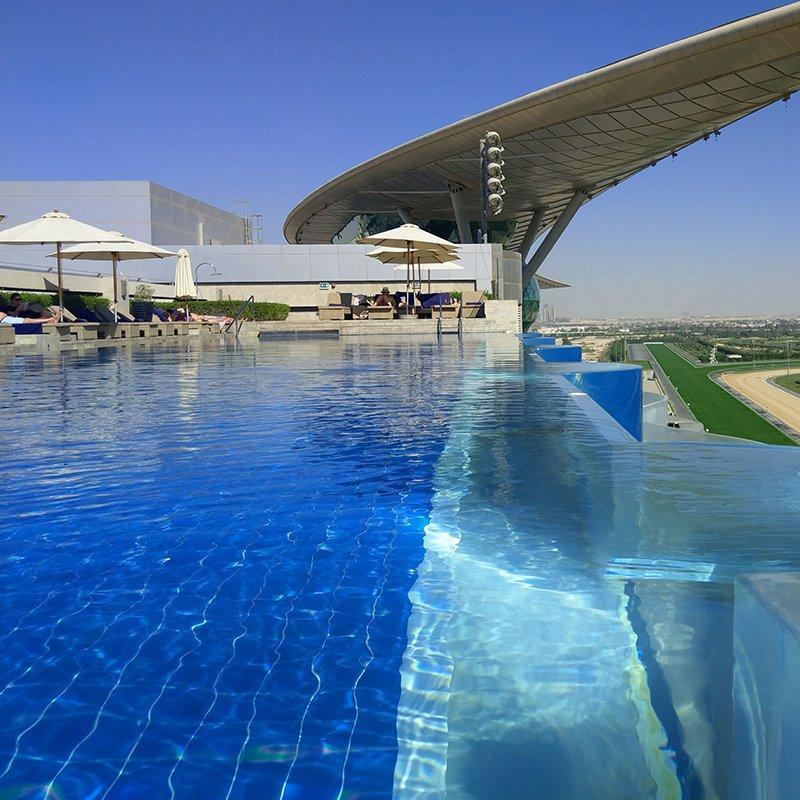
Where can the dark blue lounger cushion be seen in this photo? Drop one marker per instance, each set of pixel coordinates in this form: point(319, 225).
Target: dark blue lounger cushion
point(433, 300)
point(398, 298)
point(28, 327)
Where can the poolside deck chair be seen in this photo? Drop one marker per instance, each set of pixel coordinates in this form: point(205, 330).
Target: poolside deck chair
point(380, 312)
point(72, 328)
point(335, 309)
point(471, 303)
point(431, 303)
point(408, 298)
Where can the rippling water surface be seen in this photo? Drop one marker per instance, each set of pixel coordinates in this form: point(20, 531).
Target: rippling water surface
point(323, 569)
point(205, 561)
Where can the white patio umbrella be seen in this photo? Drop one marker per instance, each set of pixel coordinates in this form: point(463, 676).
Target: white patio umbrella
point(55, 228)
point(184, 283)
point(432, 259)
point(410, 237)
point(120, 249)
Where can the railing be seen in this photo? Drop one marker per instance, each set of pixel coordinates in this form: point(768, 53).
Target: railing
point(459, 322)
point(236, 319)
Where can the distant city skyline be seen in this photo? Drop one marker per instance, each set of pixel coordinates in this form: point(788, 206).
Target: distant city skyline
point(269, 101)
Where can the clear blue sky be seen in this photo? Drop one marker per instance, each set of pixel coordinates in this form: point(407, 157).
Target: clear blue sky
point(268, 100)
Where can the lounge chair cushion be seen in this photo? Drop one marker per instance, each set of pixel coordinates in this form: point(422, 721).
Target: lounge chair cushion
point(433, 300)
point(28, 327)
point(401, 296)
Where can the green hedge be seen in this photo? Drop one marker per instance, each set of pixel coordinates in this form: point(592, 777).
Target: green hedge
point(30, 297)
point(227, 308)
point(89, 301)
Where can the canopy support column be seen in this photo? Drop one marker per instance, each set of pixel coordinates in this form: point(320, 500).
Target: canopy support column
point(534, 226)
point(460, 212)
point(553, 235)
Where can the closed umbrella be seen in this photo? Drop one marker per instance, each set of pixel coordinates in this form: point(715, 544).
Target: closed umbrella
point(184, 283)
point(410, 237)
point(120, 249)
point(56, 228)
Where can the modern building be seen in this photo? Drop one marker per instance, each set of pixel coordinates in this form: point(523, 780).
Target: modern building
point(142, 209)
point(565, 144)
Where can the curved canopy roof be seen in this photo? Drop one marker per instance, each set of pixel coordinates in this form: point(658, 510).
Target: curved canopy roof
point(589, 132)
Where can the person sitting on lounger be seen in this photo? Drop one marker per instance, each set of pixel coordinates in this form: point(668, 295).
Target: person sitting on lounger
point(7, 319)
point(359, 306)
point(19, 308)
point(384, 298)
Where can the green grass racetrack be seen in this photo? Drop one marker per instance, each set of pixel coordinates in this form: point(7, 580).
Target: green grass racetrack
point(715, 408)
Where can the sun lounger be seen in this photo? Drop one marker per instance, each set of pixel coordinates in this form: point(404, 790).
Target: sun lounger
point(433, 303)
point(402, 297)
point(328, 313)
point(336, 309)
point(471, 303)
point(380, 312)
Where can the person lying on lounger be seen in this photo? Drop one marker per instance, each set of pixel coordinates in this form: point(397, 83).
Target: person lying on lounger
point(220, 320)
point(7, 319)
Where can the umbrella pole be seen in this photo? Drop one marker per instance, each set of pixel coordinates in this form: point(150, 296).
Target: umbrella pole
point(414, 275)
point(114, 275)
point(409, 262)
point(60, 284)
point(429, 281)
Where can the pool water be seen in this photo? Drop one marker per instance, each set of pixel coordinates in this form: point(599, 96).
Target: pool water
point(389, 568)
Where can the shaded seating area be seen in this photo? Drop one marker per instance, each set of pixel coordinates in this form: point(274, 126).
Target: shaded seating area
point(402, 305)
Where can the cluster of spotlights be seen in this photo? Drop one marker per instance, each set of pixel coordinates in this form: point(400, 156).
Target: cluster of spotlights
point(493, 159)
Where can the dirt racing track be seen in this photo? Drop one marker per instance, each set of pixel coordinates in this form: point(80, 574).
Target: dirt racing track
point(755, 387)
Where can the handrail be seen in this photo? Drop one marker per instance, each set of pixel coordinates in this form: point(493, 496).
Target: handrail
point(236, 316)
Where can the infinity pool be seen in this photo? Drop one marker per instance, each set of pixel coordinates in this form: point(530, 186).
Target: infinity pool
point(321, 569)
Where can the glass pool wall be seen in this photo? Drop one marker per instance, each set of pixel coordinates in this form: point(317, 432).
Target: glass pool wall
point(573, 618)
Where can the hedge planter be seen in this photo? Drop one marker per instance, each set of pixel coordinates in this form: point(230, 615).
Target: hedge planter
point(142, 310)
point(254, 311)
